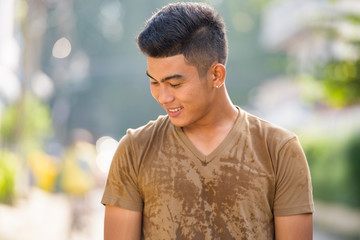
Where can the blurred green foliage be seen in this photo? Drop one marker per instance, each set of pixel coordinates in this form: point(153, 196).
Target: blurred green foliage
point(339, 77)
point(24, 125)
point(340, 82)
point(334, 160)
point(9, 166)
point(335, 165)
point(27, 121)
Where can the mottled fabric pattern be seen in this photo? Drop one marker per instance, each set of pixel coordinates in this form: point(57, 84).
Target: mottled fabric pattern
point(259, 171)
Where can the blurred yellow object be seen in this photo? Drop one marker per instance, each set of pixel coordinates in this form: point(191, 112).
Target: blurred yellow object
point(78, 167)
point(44, 170)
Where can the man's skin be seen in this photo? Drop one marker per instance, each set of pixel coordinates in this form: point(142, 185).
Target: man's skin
point(201, 106)
point(122, 224)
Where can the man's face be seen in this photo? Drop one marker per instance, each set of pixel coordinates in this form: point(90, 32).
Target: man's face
point(178, 88)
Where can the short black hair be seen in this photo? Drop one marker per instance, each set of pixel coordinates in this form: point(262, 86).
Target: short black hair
point(195, 30)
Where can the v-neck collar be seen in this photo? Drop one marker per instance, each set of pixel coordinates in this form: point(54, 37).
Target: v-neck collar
point(206, 159)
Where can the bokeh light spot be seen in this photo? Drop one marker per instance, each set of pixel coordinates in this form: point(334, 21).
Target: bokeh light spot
point(62, 48)
point(106, 147)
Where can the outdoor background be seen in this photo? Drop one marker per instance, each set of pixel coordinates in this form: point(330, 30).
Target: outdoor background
point(72, 81)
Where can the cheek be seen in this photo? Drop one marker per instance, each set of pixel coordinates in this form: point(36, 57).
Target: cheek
point(202, 95)
point(201, 89)
point(193, 96)
point(154, 92)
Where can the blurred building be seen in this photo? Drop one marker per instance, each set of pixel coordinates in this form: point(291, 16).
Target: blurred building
point(9, 54)
point(301, 29)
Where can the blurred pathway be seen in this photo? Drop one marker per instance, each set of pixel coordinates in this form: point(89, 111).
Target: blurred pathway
point(337, 219)
point(322, 235)
point(44, 216)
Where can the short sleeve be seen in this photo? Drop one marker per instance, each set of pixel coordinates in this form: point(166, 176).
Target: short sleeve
point(121, 188)
point(293, 189)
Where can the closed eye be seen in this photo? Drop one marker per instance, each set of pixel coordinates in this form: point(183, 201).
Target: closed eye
point(175, 85)
point(154, 83)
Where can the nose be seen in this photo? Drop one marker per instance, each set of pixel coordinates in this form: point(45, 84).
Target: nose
point(164, 95)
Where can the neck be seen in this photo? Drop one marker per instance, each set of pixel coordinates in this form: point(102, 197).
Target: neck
point(208, 134)
point(221, 117)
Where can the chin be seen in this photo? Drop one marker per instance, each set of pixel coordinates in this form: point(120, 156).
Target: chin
point(177, 123)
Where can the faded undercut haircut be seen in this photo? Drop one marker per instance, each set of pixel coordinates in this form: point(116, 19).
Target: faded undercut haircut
point(195, 30)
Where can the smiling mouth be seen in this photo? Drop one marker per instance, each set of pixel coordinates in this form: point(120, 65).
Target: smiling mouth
point(175, 109)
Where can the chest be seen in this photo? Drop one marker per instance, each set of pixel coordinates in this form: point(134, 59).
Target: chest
point(183, 193)
point(174, 172)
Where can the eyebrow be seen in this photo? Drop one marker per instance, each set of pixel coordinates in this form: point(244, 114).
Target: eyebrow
point(166, 78)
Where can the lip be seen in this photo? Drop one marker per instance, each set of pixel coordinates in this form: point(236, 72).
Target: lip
point(176, 113)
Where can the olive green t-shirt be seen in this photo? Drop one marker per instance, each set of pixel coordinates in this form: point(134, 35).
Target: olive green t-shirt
point(258, 171)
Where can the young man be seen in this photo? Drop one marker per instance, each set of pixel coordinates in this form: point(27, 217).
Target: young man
point(208, 169)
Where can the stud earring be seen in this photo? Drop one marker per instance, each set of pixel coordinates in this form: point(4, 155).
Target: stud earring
point(217, 86)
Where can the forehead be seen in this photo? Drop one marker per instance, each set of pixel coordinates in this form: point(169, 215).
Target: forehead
point(162, 67)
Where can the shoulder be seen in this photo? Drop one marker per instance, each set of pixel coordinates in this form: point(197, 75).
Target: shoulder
point(144, 134)
point(273, 135)
point(138, 140)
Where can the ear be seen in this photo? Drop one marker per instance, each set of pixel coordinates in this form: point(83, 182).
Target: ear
point(218, 72)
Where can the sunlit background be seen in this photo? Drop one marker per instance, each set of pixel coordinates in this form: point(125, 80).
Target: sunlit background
point(72, 81)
